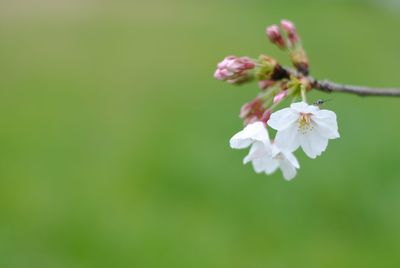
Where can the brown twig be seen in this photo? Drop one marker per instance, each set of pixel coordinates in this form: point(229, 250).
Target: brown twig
point(330, 87)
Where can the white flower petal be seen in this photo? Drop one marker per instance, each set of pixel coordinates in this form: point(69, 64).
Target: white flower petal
point(313, 144)
point(247, 159)
point(326, 131)
point(240, 143)
point(285, 160)
point(318, 142)
point(292, 159)
point(326, 124)
point(299, 106)
point(251, 133)
point(288, 170)
point(257, 150)
point(288, 139)
point(302, 107)
point(306, 146)
point(326, 114)
point(259, 164)
point(270, 165)
point(282, 119)
point(275, 149)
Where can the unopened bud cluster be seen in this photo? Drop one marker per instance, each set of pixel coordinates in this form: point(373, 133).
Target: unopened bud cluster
point(275, 36)
point(290, 29)
point(300, 125)
point(234, 69)
point(290, 41)
point(275, 82)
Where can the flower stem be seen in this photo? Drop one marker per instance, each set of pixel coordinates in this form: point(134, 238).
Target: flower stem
point(303, 93)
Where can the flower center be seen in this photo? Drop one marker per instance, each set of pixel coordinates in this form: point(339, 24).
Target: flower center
point(305, 123)
point(279, 156)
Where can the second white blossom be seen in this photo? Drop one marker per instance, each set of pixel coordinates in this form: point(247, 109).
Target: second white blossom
point(304, 125)
point(265, 155)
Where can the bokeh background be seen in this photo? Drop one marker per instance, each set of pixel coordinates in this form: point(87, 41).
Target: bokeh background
point(114, 137)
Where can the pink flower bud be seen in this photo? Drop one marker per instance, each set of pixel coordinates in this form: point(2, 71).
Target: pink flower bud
point(290, 29)
point(221, 74)
point(251, 107)
point(265, 117)
point(252, 111)
point(288, 26)
point(234, 69)
point(226, 61)
point(245, 110)
point(250, 120)
point(280, 96)
point(274, 35)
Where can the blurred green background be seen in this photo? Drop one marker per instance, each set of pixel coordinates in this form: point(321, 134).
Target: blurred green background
point(114, 137)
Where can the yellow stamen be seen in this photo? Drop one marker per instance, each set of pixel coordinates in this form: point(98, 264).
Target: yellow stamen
point(305, 123)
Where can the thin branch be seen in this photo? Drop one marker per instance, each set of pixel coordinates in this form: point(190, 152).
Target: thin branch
point(329, 86)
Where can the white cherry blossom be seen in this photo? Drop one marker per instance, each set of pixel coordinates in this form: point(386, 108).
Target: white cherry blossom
point(306, 126)
point(265, 156)
point(250, 134)
point(269, 157)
